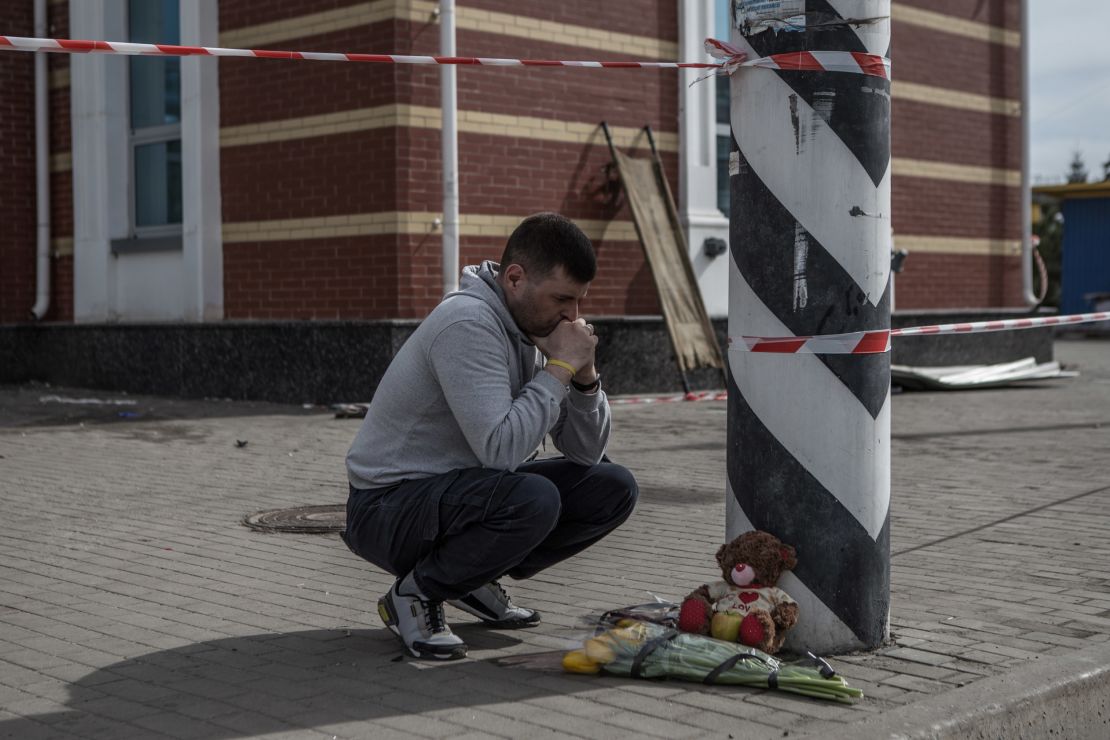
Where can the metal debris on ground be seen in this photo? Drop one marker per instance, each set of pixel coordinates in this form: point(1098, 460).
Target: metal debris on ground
point(88, 401)
point(965, 377)
point(349, 410)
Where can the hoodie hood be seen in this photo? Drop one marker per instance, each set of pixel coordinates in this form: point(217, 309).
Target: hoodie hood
point(480, 281)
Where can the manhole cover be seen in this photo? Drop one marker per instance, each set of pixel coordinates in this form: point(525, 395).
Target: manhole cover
point(311, 519)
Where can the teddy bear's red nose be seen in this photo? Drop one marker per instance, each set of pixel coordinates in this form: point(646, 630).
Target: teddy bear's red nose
point(743, 574)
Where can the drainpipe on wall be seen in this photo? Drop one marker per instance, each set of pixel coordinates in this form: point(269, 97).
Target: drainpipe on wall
point(42, 171)
point(1026, 205)
point(448, 102)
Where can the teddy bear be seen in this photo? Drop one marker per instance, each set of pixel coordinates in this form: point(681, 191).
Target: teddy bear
point(746, 607)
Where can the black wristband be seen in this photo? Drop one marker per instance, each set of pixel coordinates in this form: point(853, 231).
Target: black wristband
point(589, 387)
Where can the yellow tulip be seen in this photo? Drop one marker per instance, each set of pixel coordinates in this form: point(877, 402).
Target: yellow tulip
point(576, 661)
point(600, 649)
point(634, 633)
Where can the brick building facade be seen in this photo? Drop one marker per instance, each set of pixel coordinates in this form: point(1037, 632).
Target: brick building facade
point(328, 175)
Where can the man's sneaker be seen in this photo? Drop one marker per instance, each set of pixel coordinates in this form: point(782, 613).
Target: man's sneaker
point(419, 622)
point(493, 606)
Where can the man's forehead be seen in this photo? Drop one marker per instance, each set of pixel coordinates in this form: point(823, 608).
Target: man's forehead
point(557, 281)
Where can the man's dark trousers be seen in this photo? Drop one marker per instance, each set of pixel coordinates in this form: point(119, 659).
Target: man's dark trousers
point(462, 529)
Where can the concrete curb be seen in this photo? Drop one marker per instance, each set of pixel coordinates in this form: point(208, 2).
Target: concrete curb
point(1066, 697)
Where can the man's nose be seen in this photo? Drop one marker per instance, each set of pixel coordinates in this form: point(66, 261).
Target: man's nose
point(571, 314)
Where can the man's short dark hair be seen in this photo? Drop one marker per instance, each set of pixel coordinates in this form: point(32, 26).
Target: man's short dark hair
point(545, 241)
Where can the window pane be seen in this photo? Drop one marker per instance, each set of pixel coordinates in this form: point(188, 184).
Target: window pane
point(724, 142)
point(724, 145)
point(722, 24)
point(158, 184)
point(155, 81)
point(722, 99)
point(722, 18)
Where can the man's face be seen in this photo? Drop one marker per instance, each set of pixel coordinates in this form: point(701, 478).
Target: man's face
point(539, 304)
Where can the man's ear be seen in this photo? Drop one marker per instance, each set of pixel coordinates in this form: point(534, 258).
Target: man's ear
point(514, 274)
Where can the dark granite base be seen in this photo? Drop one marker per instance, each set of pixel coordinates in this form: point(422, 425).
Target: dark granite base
point(289, 362)
point(335, 361)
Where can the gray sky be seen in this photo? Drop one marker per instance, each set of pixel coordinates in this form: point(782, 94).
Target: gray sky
point(1070, 81)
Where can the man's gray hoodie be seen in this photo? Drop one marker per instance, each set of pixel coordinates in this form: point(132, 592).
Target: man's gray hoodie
point(466, 391)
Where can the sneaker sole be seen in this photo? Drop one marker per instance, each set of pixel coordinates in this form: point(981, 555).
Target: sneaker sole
point(513, 624)
point(417, 650)
point(497, 624)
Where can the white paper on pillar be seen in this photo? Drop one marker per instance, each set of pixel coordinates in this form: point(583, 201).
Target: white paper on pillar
point(755, 16)
point(814, 174)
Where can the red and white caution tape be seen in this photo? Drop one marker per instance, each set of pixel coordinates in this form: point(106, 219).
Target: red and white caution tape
point(976, 327)
point(852, 62)
point(692, 396)
point(732, 59)
point(873, 342)
point(856, 343)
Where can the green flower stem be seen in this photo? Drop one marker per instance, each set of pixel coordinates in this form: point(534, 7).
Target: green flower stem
point(693, 657)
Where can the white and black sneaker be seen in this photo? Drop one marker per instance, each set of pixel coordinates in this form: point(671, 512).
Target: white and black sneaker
point(419, 622)
point(493, 606)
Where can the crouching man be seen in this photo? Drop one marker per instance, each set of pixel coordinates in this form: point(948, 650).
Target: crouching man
point(441, 491)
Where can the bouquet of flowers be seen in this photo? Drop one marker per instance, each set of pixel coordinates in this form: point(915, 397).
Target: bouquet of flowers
point(643, 649)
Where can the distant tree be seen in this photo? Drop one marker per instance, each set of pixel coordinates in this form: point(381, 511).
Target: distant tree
point(1077, 171)
point(1106, 170)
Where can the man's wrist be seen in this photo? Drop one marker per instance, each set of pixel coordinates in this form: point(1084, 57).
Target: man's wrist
point(586, 387)
point(559, 373)
point(586, 380)
point(586, 375)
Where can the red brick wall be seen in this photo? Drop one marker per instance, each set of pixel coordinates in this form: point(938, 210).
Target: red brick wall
point(1003, 13)
point(926, 207)
point(958, 281)
point(253, 91)
point(61, 300)
point(349, 278)
point(18, 209)
point(17, 187)
point(623, 97)
point(923, 131)
point(932, 57)
point(399, 169)
point(639, 17)
point(623, 286)
point(61, 182)
point(240, 13)
point(312, 177)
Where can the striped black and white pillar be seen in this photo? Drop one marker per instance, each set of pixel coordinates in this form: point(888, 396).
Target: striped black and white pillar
point(810, 237)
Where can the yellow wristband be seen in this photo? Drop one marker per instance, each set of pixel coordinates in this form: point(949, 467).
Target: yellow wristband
point(564, 365)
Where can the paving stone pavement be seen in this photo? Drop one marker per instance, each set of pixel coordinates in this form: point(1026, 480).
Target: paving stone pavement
point(134, 604)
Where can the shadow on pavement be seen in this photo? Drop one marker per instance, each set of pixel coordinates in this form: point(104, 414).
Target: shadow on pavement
point(246, 686)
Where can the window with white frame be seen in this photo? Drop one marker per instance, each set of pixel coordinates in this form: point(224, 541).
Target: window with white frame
point(155, 122)
point(146, 207)
point(724, 136)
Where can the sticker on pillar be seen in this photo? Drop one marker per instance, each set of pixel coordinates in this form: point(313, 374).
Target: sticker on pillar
point(734, 163)
point(755, 16)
